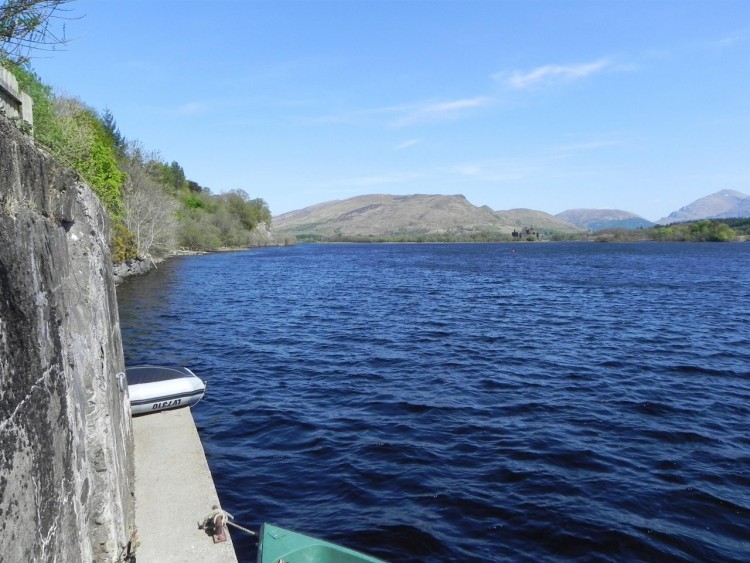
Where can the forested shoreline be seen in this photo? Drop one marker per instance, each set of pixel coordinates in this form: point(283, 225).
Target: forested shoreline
point(707, 230)
point(154, 208)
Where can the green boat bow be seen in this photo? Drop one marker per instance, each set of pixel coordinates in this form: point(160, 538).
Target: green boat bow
point(279, 545)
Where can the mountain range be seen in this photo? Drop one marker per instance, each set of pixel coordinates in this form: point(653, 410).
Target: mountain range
point(598, 219)
point(724, 204)
point(382, 215)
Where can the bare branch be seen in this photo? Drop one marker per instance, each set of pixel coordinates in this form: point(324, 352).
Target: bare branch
point(27, 26)
point(150, 214)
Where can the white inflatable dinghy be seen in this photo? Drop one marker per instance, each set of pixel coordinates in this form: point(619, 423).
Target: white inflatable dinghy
point(156, 388)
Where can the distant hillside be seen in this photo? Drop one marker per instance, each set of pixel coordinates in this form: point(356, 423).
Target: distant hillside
point(410, 217)
point(599, 219)
point(539, 219)
point(723, 204)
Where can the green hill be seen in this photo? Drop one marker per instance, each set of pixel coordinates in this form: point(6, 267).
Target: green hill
point(413, 218)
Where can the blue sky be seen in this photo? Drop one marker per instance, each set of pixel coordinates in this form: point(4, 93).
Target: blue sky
point(549, 105)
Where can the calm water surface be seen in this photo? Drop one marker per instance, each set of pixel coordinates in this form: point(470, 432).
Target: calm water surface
point(532, 402)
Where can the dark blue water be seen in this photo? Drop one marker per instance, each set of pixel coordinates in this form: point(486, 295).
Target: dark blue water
point(533, 402)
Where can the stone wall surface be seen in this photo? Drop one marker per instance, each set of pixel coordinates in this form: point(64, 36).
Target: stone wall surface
point(66, 474)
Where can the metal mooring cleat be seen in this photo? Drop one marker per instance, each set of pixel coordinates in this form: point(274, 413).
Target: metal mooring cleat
point(215, 524)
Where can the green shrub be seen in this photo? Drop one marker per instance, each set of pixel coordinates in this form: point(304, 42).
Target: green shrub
point(123, 245)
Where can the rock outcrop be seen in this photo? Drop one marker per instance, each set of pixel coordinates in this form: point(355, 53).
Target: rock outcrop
point(65, 432)
point(131, 268)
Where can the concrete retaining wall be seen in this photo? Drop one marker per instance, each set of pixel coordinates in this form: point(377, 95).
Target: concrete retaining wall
point(13, 102)
point(66, 442)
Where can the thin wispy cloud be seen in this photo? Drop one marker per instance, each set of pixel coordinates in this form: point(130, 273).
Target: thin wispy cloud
point(439, 111)
point(715, 46)
point(407, 144)
point(406, 114)
point(465, 170)
point(548, 162)
point(191, 108)
point(568, 150)
point(546, 74)
point(358, 117)
point(730, 40)
point(388, 178)
point(494, 170)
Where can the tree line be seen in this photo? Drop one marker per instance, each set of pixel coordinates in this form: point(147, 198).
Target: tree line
point(706, 230)
point(154, 208)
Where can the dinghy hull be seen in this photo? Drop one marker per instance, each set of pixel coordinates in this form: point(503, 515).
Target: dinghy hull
point(157, 388)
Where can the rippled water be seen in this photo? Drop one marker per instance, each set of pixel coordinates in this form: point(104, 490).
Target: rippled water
point(532, 402)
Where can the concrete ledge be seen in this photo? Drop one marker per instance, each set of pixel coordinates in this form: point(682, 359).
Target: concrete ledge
point(13, 102)
point(174, 491)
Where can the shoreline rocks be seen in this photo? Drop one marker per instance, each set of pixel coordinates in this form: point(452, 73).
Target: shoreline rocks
point(131, 268)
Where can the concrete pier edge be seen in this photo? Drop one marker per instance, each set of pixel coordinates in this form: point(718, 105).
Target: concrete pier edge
point(174, 491)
